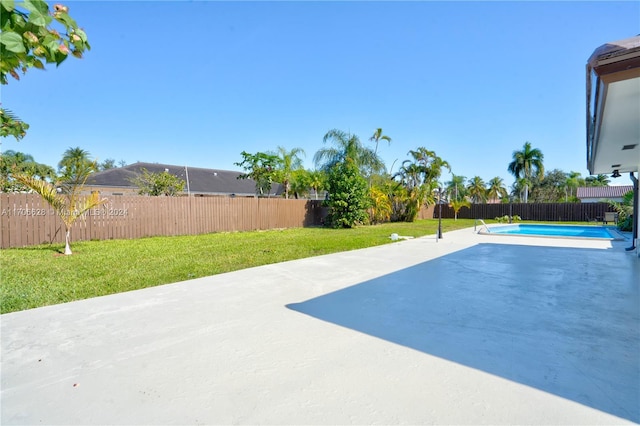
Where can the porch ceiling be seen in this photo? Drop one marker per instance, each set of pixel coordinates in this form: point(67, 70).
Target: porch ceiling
point(613, 140)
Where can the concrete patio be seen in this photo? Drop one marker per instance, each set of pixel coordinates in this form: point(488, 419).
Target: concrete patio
point(473, 329)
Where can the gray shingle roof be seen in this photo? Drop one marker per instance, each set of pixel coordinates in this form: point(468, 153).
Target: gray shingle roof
point(201, 181)
point(603, 191)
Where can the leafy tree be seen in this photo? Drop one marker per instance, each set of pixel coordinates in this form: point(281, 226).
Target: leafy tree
point(496, 189)
point(599, 180)
point(262, 168)
point(69, 205)
point(348, 195)
point(17, 162)
point(288, 163)
point(107, 164)
point(477, 190)
point(551, 189)
point(527, 164)
point(31, 34)
point(156, 184)
point(10, 125)
point(456, 205)
point(347, 146)
point(625, 211)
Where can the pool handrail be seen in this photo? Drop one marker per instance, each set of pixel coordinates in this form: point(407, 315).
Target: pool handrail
point(481, 221)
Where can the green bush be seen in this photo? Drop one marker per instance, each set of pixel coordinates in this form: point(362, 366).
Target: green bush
point(348, 196)
point(505, 218)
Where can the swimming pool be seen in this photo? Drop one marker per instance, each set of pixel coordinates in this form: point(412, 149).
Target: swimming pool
point(566, 231)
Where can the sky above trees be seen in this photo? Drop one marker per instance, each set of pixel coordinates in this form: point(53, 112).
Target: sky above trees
point(197, 83)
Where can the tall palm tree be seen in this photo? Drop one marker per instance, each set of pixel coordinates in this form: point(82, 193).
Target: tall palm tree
point(377, 137)
point(290, 161)
point(496, 189)
point(456, 187)
point(347, 146)
point(527, 163)
point(477, 189)
point(574, 180)
point(76, 165)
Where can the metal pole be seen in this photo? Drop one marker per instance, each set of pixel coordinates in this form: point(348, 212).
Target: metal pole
point(440, 213)
point(186, 172)
point(634, 222)
point(510, 209)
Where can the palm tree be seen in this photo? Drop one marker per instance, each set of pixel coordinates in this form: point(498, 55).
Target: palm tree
point(477, 189)
point(317, 181)
point(69, 206)
point(377, 137)
point(431, 165)
point(456, 188)
point(289, 162)
point(573, 181)
point(347, 146)
point(496, 189)
point(76, 165)
point(456, 205)
point(420, 177)
point(528, 164)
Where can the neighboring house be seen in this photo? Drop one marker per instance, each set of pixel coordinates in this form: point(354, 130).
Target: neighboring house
point(597, 194)
point(199, 182)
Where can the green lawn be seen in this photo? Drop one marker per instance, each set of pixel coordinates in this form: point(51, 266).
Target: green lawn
point(38, 276)
point(41, 275)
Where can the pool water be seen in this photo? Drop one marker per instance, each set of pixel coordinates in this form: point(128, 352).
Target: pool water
point(570, 231)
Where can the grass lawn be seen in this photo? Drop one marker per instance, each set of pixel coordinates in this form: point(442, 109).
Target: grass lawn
point(39, 276)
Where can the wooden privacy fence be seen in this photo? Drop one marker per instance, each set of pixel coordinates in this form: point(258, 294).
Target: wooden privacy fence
point(25, 219)
point(568, 212)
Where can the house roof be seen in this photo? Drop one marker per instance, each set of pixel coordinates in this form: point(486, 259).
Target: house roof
point(201, 181)
point(613, 107)
point(603, 191)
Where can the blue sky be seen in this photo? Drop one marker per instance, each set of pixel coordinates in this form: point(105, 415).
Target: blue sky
point(195, 83)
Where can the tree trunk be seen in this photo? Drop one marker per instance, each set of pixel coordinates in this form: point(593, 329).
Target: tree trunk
point(67, 238)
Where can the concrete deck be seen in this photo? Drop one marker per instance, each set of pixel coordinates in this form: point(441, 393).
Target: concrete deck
point(473, 329)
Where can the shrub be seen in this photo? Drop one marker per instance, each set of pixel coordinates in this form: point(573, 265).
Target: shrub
point(348, 196)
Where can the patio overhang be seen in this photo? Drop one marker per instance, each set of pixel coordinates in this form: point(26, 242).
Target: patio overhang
point(613, 107)
point(613, 116)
